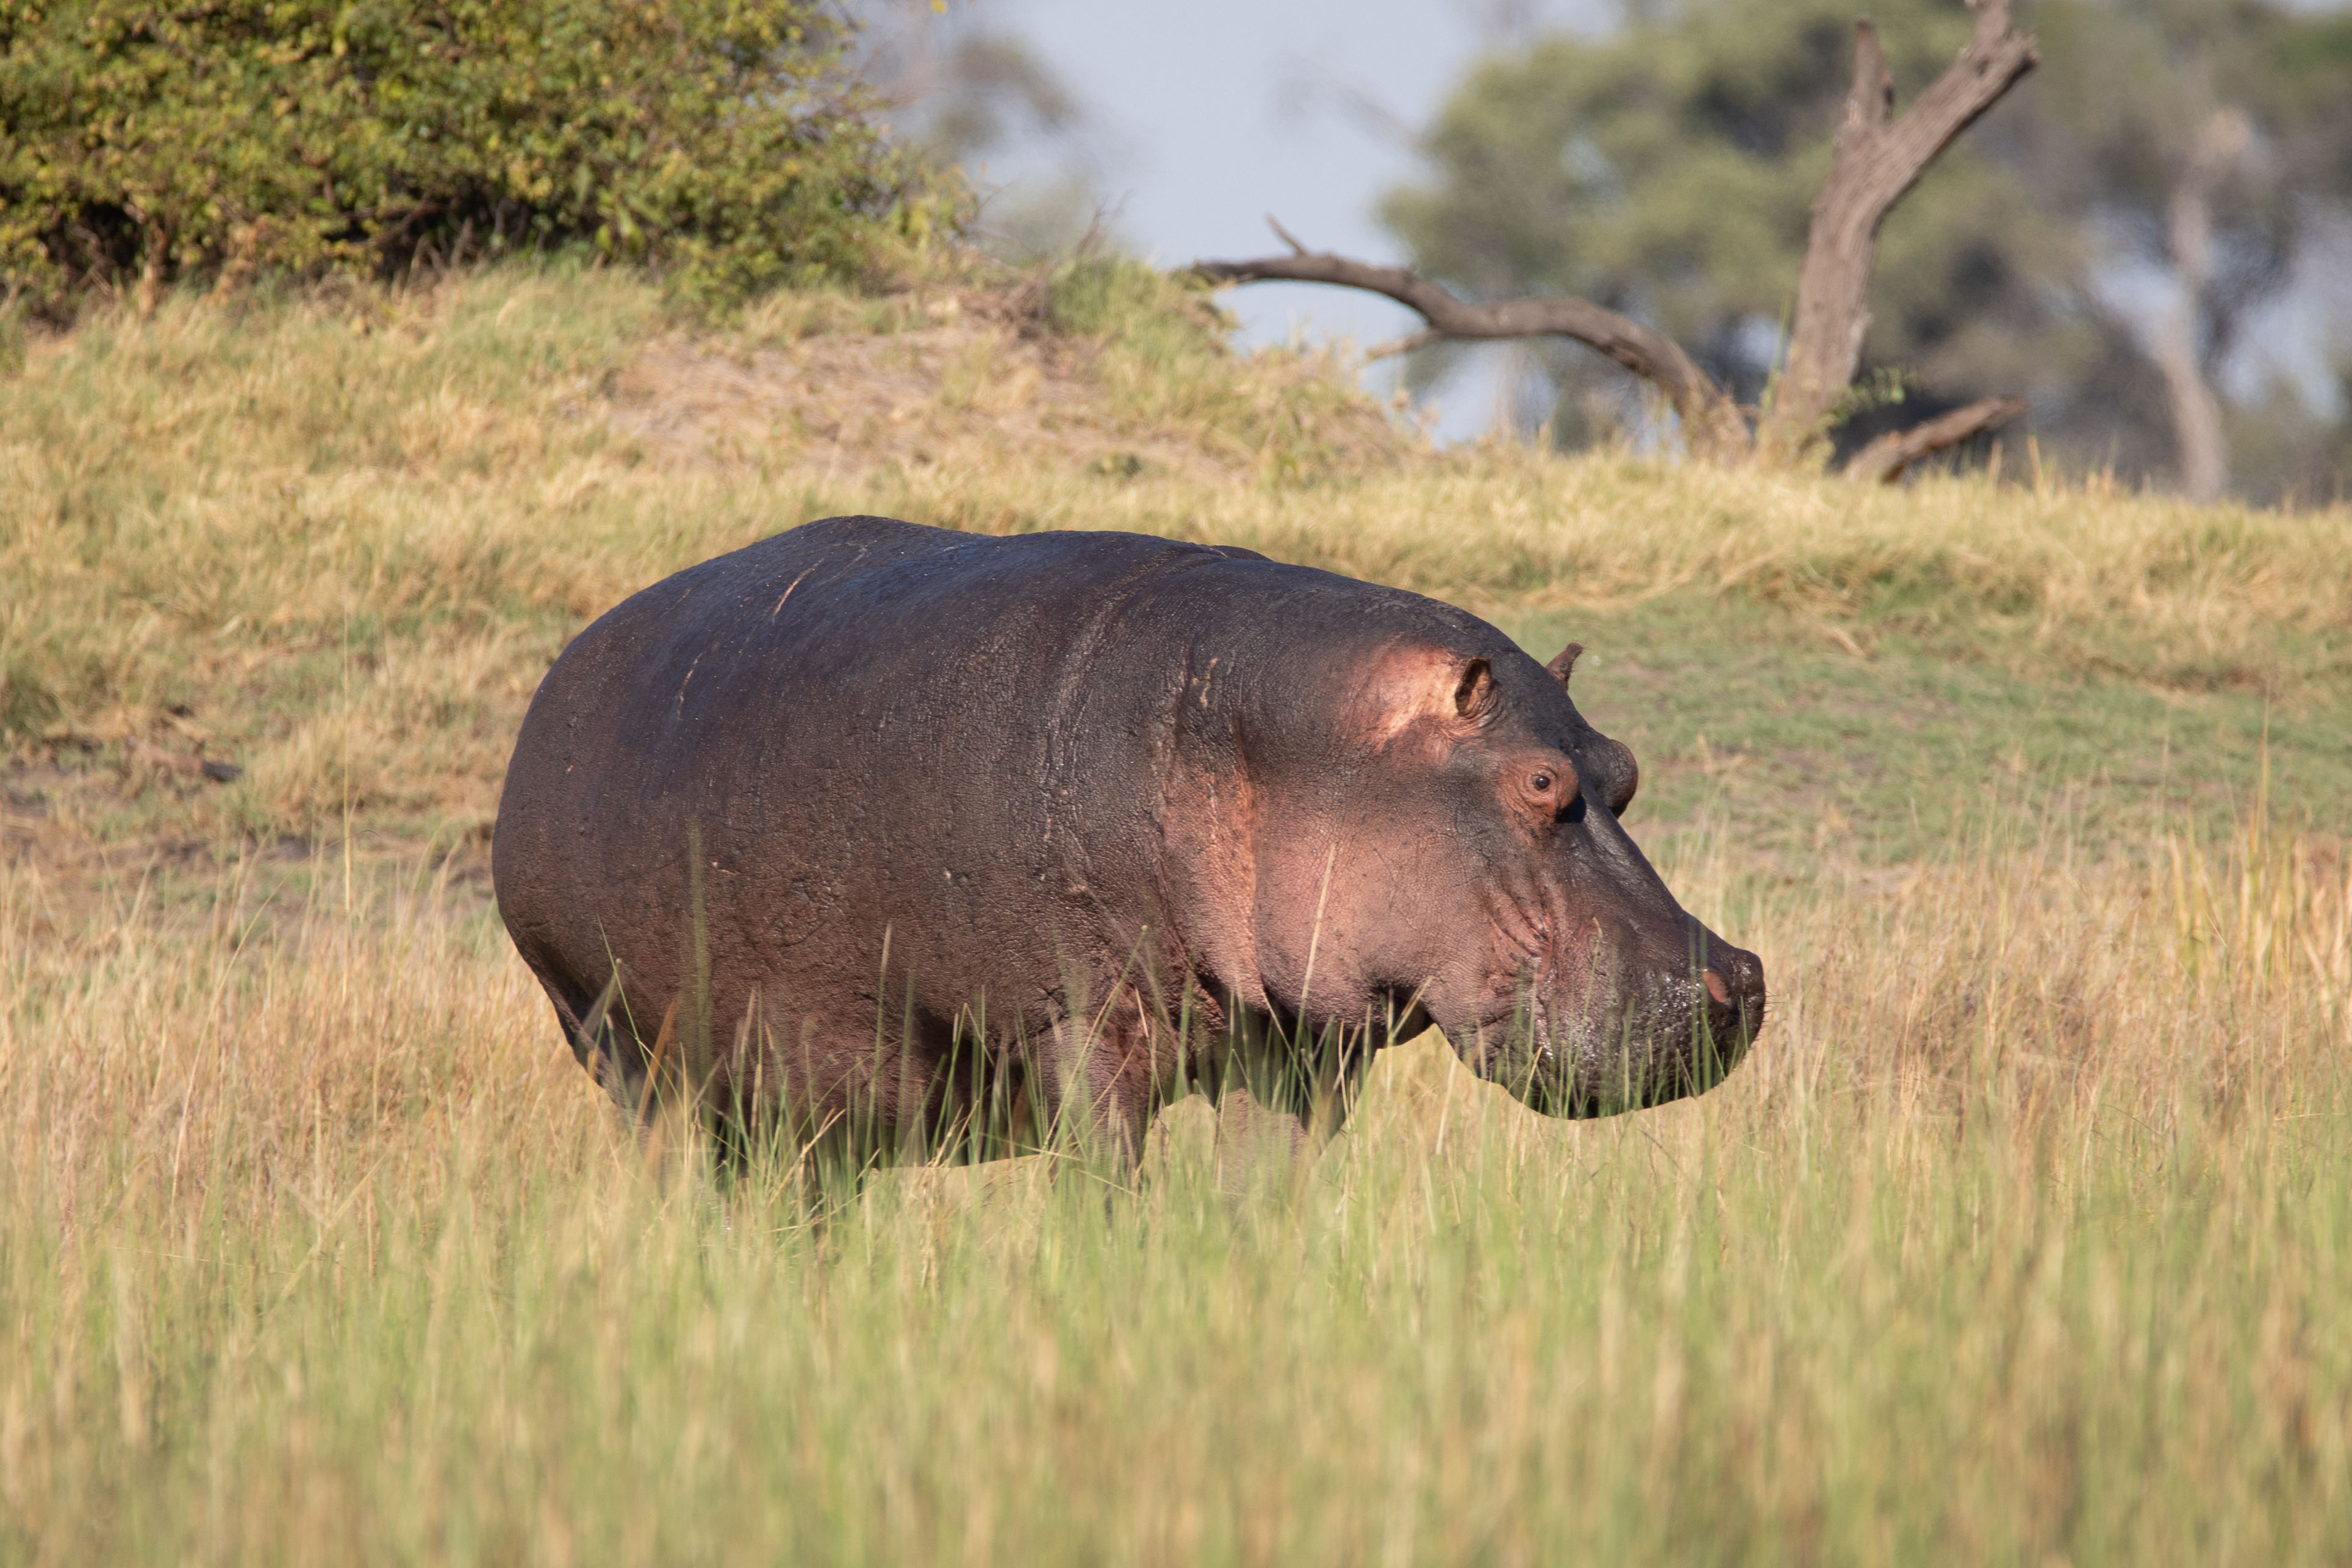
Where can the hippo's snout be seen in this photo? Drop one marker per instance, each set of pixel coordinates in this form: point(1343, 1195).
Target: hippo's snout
point(1681, 1033)
point(1733, 982)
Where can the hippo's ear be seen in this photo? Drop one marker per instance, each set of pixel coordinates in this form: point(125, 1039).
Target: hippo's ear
point(1564, 662)
point(1408, 687)
point(1474, 692)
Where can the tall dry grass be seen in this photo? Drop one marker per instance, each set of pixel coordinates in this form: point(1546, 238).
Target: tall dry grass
point(2026, 1236)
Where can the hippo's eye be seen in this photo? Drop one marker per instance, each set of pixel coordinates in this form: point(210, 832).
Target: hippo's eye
point(1551, 790)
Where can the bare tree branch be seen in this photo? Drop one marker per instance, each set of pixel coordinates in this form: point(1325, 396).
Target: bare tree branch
point(1876, 158)
point(1711, 420)
point(1886, 458)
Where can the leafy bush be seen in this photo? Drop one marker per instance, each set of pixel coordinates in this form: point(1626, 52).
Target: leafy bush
point(717, 141)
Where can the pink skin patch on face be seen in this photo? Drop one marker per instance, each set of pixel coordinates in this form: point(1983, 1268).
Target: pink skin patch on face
point(1406, 688)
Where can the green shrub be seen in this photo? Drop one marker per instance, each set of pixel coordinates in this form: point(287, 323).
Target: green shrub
point(718, 141)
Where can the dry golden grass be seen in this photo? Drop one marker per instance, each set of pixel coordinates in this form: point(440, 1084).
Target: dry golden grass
point(2025, 1236)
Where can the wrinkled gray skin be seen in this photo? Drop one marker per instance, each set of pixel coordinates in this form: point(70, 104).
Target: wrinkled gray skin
point(882, 817)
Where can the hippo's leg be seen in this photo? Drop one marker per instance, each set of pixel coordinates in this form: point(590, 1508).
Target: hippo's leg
point(1100, 1080)
point(842, 1094)
point(597, 1025)
point(1280, 1099)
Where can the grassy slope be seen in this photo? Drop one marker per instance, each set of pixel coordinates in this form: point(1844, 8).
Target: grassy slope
point(2025, 1238)
point(347, 542)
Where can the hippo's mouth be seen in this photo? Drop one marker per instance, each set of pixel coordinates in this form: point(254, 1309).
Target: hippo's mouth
point(1677, 1040)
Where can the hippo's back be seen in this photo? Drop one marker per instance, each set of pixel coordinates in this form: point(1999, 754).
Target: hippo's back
point(760, 769)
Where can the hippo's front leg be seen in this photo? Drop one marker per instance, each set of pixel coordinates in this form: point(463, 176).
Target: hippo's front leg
point(1100, 1079)
point(1280, 1099)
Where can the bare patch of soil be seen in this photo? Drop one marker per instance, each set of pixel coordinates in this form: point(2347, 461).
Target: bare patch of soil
point(967, 393)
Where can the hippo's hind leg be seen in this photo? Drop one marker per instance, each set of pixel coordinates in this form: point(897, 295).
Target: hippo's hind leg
point(596, 1024)
point(836, 1093)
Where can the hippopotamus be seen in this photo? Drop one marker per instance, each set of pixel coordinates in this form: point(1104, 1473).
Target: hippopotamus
point(871, 822)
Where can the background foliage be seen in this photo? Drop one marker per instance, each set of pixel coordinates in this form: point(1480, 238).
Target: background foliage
point(717, 139)
point(1667, 169)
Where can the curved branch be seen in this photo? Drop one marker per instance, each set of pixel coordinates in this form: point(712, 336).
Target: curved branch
point(1711, 420)
point(1886, 458)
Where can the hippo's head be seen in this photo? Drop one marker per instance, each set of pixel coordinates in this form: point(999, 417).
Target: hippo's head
point(1463, 849)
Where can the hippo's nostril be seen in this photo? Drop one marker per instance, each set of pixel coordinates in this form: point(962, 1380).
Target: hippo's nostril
point(1717, 988)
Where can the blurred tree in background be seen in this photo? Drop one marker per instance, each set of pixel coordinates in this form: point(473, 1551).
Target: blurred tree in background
point(2203, 151)
point(971, 93)
point(2104, 241)
point(723, 142)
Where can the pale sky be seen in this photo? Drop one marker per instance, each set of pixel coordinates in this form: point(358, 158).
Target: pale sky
point(1212, 114)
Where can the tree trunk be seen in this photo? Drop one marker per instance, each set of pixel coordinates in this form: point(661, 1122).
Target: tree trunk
point(1876, 159)
point(2202, 448)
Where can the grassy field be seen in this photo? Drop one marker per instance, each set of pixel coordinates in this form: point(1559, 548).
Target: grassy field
point(2024, 1236)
